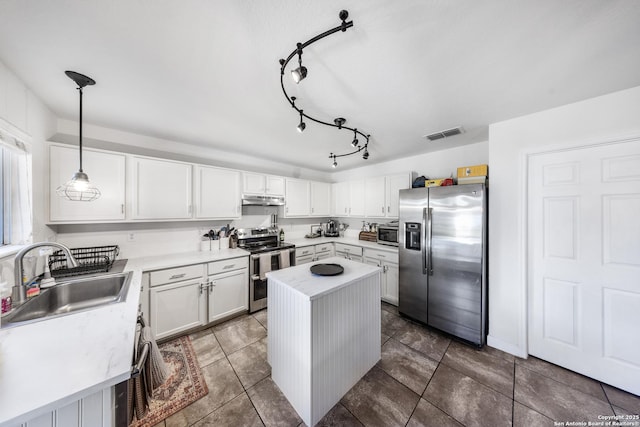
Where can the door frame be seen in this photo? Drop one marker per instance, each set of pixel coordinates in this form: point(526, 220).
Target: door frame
point(523, 259)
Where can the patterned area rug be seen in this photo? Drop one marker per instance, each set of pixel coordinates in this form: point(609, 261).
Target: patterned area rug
point(184, 385)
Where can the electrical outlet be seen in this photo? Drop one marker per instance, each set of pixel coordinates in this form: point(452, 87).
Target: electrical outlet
point(131, 237)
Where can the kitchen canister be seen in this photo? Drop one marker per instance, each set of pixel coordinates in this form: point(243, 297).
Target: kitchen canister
point(205, 245)
point(224, 243)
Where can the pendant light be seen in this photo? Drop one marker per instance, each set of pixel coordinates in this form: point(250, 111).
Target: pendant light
point(79, 188)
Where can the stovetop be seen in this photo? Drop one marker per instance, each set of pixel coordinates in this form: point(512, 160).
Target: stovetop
point(258, 247)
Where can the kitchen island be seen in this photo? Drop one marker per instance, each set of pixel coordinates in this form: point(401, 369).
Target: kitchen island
point(324, 333)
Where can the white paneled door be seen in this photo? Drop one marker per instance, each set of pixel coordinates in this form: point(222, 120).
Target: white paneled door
point(584, 261)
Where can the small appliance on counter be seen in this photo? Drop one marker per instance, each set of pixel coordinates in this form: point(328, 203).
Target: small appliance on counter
point(388, 233)
point(332, 228)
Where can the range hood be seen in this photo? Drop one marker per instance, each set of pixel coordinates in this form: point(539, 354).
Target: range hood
point(251, 200)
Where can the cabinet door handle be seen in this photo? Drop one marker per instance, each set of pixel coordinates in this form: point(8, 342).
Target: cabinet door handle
point(311, 210)
point(122, 208)
point(345, 210)
point(177, 276)
point(388, 208)
point(190, 208)
point(202, 287)
point(211, 285)
point(383, 209)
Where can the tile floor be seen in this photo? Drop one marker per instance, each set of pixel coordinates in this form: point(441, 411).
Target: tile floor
point(423, 379)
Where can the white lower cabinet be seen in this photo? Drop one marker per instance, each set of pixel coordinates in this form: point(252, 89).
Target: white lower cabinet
point(228, 292)
point(390, 273)
point(184, 298)
point(324, 250)
point(354, 253)
point(305, 255)
point(176, 307)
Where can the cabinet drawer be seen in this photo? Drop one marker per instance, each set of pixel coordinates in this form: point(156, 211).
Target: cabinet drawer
point(324, 248)
point(228, 265)
point(300, 252)
point(353, 250)
point(171, 275)
point(381, 255)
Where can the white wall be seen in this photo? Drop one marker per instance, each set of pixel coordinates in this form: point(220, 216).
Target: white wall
point(606, 118)
point(436, 164)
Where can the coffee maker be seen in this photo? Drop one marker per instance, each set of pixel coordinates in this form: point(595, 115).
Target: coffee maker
point(332, 230)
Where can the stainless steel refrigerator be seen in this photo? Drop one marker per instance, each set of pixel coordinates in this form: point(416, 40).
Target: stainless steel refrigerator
point(442, 249)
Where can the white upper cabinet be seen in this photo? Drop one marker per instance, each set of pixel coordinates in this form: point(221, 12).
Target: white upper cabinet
point(260, 184)
point(160, 189)
point(374, 195)
point(320, 198)
point(382, 195)
point(217, 193)
point(341, 198)
point(274, 186)
point(393, 185)
point(297, 201)
point(356, 196)
point(105, 170)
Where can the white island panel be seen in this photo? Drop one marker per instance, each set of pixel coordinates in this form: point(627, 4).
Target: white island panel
point(324, 333)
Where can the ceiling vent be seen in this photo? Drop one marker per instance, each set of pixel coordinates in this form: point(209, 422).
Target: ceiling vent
point(444, 133)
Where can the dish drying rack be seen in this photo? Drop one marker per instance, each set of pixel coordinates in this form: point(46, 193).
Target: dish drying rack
point(95, 259)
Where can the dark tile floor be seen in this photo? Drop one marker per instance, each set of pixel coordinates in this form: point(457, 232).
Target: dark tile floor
point(423, 379)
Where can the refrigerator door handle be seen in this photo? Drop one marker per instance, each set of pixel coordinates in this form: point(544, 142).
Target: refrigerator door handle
point(428, 238)
point(423, 237)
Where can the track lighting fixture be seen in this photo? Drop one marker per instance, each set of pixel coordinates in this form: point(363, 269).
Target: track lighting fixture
point(354, 143)
point(78, 188)
point(302, 125)
point(300, 73)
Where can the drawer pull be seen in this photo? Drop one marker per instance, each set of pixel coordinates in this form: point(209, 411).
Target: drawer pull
point(177, 276)
point(228, 266)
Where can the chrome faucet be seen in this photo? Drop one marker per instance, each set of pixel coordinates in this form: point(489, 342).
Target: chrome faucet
point(19, 292)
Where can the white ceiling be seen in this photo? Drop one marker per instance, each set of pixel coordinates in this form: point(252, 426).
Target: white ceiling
point(207, 72)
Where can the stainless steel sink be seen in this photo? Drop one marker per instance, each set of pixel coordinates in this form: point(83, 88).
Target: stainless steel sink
point(71, 296)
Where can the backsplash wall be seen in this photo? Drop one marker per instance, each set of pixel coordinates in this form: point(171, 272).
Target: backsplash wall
point(165, 238)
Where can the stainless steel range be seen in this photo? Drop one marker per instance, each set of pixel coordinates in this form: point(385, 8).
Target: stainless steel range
point(267, 254)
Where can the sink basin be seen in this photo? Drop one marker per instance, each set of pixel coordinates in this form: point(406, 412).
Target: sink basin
point(71, 296)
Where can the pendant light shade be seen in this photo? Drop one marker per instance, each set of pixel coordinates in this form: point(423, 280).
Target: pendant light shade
point(78, 188)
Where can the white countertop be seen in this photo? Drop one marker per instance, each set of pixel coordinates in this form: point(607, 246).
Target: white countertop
point(302, 280)
point(302, 242)
point(187, 258)
point(48, 364)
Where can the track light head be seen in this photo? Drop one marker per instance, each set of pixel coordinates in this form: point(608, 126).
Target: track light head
point(299, 74)
point(301, 125)
point(365, 155)
point(334, 164)
point(354, 143)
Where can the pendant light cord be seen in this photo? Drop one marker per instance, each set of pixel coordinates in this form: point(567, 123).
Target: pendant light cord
point(80, 142)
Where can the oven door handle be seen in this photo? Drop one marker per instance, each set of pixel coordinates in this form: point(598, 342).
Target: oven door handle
point(274, 253)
